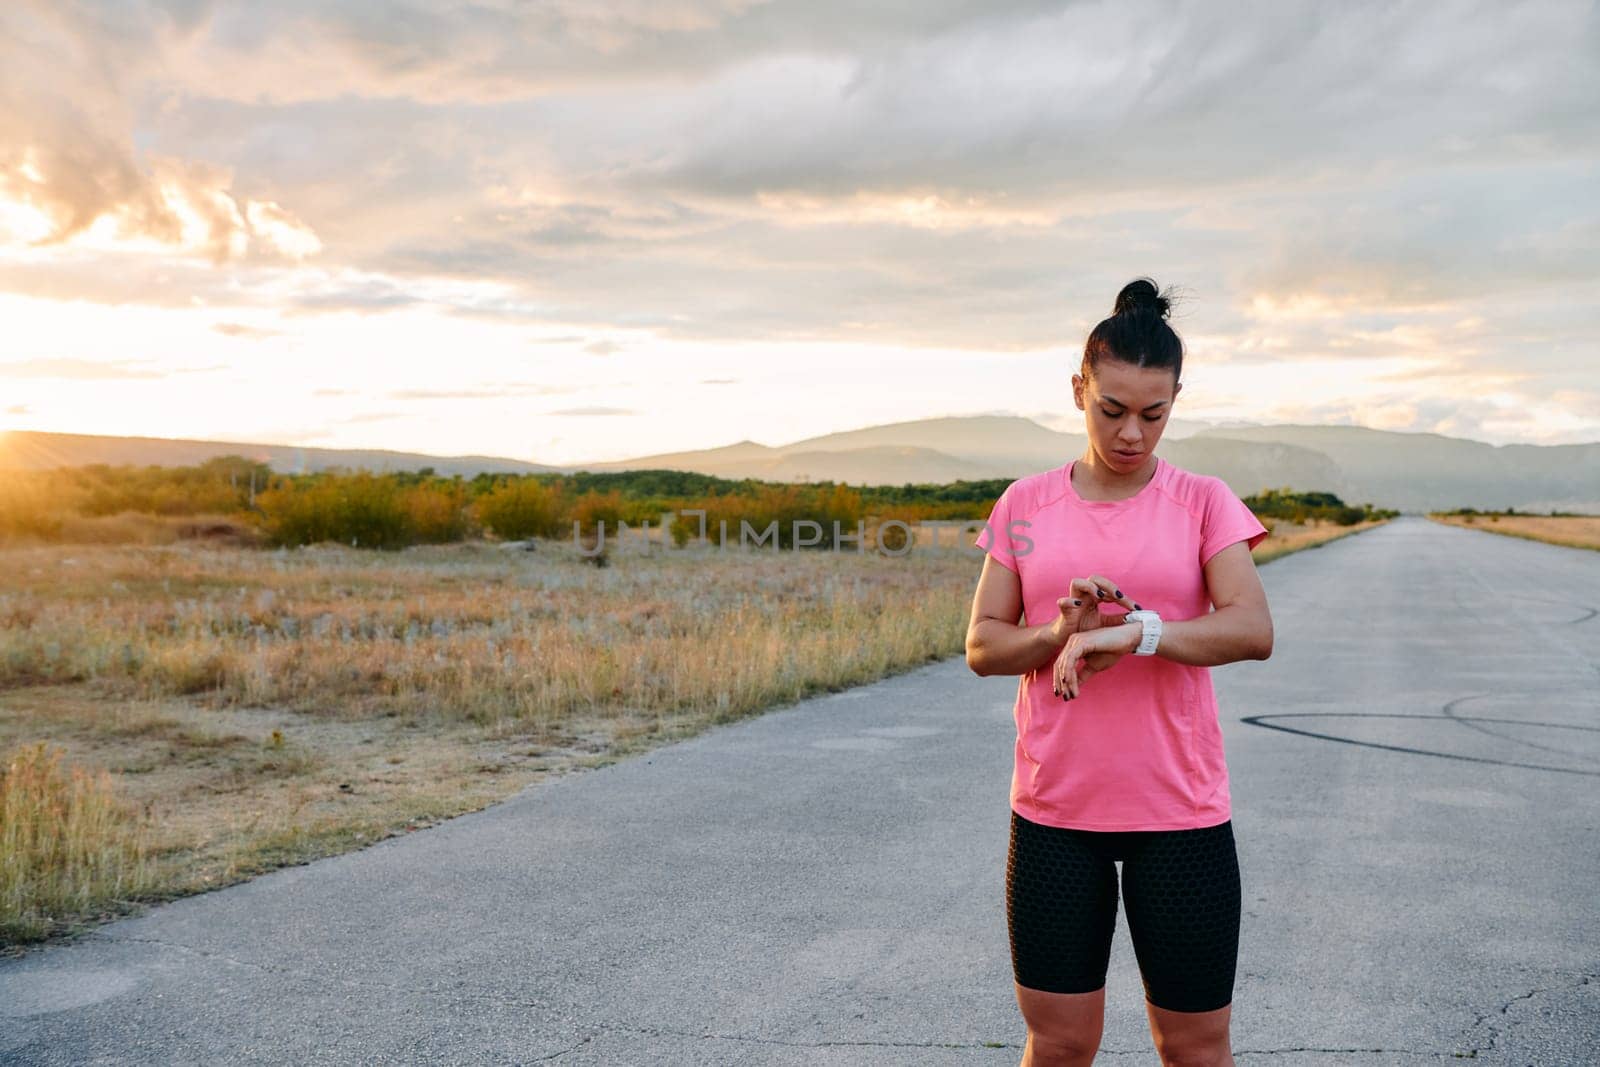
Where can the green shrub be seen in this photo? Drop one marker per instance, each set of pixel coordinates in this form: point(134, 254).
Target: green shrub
point(522, 507)
point(359, 509)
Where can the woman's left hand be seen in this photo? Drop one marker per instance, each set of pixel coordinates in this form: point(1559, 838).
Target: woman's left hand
point(1087, 653)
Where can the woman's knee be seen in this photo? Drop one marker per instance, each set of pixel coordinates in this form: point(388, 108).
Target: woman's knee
point(1192, 1039)
point(1063, 1028)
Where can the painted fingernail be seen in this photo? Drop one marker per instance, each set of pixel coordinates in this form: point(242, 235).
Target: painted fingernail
point(1119, 592)
point(1136, 606)
point(1077, 603)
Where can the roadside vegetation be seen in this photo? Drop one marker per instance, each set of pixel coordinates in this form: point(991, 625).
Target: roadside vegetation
point(1566, 528)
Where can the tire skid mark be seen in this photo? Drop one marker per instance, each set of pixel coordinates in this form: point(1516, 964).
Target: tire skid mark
point(1472, 724)
point(1262, 721)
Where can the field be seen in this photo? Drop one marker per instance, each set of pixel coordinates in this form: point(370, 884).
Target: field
point(1573, 531)
point(223, 711)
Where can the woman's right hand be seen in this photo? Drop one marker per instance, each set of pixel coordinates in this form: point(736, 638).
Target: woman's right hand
point(1080, 613)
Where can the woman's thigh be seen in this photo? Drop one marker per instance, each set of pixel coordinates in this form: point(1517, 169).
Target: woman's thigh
point(1182, 895)
point(1061, 908)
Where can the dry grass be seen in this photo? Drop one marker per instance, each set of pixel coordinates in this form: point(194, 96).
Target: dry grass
point(1573, 531)
point(68, 846)
point(1286, 537)
point(470, 634)
point(258, 708)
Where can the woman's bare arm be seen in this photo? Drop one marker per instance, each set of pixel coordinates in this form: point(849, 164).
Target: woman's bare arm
point(997, 642)
point(1239, 628)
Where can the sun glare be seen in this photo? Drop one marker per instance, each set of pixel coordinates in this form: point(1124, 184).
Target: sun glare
point(22, 223)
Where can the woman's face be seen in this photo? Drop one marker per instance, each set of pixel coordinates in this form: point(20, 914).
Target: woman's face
point(1125, 410)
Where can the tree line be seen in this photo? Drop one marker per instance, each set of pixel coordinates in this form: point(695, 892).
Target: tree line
point(397, 509)
point(402, 508)
point(1301, 507)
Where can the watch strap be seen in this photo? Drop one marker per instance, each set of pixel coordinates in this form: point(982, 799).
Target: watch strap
point(1151, 636)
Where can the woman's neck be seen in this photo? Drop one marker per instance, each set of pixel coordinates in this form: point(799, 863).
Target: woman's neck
point(1093, 480)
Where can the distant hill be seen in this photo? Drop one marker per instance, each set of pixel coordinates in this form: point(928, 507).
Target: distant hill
point(1417, 471)
point(36, 450)
point(976, 447)
point(923, 451)
point(1407, 471)
point(1251, 466)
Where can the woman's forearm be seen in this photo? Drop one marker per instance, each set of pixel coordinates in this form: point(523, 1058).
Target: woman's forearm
point(1222, 636)
point(997, 647)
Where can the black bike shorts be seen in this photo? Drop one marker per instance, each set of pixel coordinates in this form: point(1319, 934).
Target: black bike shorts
point(1181, 889)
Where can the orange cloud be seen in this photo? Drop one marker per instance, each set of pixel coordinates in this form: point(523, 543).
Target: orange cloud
point(177, 205)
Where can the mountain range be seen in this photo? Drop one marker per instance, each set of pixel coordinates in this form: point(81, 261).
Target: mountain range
point(1411, 472)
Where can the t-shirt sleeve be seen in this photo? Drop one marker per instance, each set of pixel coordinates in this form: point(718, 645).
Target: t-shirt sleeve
point(993, 538)
point(1225, 521)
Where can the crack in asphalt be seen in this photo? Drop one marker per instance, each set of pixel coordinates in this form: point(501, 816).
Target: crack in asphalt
point(655, 1031)
point(1317, 1048)
point(704, 1036)
point(555, 1055)
point(1495, 1032)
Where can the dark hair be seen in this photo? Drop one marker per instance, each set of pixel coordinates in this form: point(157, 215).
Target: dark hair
point(1137, 332)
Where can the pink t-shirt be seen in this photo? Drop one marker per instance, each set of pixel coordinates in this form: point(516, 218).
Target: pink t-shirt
point(1140, 747)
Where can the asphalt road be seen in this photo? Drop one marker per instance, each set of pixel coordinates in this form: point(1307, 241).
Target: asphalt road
point(1416, 789)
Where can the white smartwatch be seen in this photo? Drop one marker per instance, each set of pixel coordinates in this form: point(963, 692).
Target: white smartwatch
point(1151, 621)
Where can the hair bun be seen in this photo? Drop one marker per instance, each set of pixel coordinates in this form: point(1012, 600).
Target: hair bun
point(1141, 295)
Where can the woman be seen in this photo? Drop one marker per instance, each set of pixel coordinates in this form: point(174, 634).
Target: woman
point(1119, 756)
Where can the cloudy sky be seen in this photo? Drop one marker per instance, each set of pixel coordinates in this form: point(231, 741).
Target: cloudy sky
point(588, 229)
